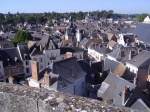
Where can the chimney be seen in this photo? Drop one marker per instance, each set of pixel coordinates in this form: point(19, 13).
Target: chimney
point(125, 94)
point(68, 55)
point(11, 80)
point(122, 52)
point(131, 54)
point(47, 79)
point(35, 70)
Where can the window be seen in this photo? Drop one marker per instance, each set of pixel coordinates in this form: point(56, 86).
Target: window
point(27, 70)
point(40, 59)
point(80, 57)
point(83, 85)
point(41, 67)
point(27, 63)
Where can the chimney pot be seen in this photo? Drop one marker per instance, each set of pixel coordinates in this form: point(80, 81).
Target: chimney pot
point(131, 54)
point(68, 55)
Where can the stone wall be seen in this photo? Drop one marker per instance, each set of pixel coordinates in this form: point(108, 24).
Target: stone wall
point(15, 98)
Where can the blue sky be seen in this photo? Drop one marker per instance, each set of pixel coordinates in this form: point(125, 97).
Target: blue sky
point(34, 6)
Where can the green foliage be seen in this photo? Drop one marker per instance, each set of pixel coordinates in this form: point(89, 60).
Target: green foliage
point(141, 17)
point(22, 36)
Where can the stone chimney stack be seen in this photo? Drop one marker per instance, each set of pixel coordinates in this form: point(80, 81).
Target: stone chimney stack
point(11, 80)
point(125, 94)
point(35, 70)
point(68, 55)
point(131, 54)
point(47, 79)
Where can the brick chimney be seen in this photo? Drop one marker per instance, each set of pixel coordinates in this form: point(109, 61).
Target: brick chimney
point(122, 52)
point(131, 54)
point(125, 94)
point(47, 79)
point(35, 70)
point(11, 80)
point(68, 55)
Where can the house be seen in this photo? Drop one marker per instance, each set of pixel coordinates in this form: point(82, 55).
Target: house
point(65, 76)
point(123, 54)
point(139, 65)
point(142, 33)
point(111, 37)
point(98, 53)
point(11, 64)
point(126, 40)
point(112, 89)
point(25, 58)
point(86, 43)
point(111, 45)
point(74, 51)
point(146, 20)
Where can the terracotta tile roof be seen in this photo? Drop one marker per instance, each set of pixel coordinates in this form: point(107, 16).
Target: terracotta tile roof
point(112, 43)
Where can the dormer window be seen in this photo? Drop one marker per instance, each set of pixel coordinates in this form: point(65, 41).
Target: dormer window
point(25, 56)
point(8, 61)
point(16, 60)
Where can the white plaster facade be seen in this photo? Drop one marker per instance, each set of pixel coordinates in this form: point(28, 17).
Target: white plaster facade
point(132, 68)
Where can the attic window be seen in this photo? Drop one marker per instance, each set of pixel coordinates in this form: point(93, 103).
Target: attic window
point(25, 56)
point(16, 60)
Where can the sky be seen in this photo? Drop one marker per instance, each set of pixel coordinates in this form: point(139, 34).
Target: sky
point(40, 6)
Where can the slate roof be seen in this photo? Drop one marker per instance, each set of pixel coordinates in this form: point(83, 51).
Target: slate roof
point(112, 88)
point(140, 105)
point(115, 53)
point(142, 31)
point(36, 51)
point(24, 51)
point(84, 41)
point(62, 83)
point(85, 66)
point(110, 64)
point(64, 50)
point(11, 54)
point(134, 100)
point(68, 69)
point(141, 60)
point(129, 38)
point(102, 50)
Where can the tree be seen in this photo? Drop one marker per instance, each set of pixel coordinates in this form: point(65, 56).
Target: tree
point(141, 17)
point(22, 36)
